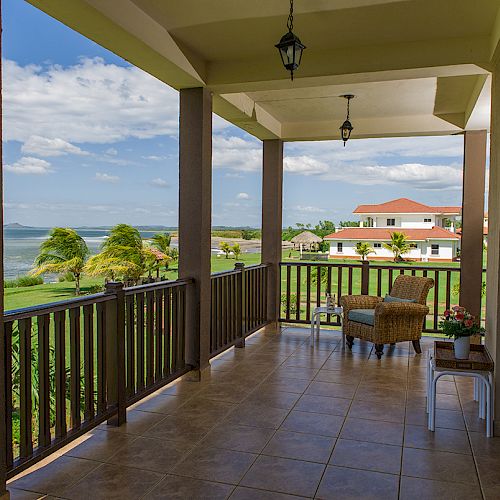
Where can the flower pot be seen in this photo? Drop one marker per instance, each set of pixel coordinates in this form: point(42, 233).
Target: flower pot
point(462, 347)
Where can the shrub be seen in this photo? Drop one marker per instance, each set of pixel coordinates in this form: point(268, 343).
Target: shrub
point(66, 277)
point(23, 281)
point(95, 289)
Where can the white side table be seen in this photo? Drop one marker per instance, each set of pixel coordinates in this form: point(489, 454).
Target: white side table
point(316, 320)
point(483, 390)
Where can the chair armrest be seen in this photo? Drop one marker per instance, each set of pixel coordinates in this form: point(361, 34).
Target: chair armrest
point(349, 302)
point(401, 308)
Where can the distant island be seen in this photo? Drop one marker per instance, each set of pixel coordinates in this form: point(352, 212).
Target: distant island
point(15, 225)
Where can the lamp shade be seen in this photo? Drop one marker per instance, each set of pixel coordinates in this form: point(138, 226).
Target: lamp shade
point(346, 130)
point(290, 48)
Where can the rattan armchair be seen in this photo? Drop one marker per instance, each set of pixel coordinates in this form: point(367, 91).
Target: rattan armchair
point(391, 321)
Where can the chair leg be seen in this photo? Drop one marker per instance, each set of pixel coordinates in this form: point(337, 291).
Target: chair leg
point(416, 346)
point(379, 350)
point(349, 340)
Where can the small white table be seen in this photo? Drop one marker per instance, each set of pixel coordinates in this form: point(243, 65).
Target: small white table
point(483, 391)
point(316, 320)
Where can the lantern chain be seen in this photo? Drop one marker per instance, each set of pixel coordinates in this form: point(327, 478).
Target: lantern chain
point(290, 17)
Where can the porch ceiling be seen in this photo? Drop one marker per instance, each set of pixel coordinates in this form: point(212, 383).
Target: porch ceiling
point(417, 67)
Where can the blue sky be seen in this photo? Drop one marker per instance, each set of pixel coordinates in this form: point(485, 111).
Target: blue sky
point(90, 140)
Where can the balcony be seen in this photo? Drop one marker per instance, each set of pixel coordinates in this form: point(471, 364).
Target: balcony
point(278, 418)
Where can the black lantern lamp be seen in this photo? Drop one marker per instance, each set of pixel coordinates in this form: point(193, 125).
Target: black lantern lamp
point(346, 127)
point(290, 46)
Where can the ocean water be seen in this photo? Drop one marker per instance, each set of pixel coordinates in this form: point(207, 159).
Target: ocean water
point(21, 246)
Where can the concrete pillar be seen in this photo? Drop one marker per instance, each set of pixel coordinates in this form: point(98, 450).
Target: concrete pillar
point(272, 203)
point(493, 265)
point(471, 255)
point(195, 219)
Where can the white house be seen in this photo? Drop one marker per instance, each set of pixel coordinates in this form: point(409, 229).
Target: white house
point(430, 231)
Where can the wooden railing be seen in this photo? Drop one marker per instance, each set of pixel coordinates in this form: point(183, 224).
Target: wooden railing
point(302, 290)
point(239, 305)
point(72, 365)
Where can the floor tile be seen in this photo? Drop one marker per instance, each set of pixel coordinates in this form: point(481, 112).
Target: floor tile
point(412, 488)
point(113, 481)
point(447, 419)
point(377, 411)
point(56, 476)
point(346, 484)
point(100, 445)
point(285, 476)
point(323, 404)
point(161, 403)
point(272, 398)
point(16, 494)
point(257, 416)
point(300, 446)
point(367, 456)
point(238, 437)
point(371, 431)
point(429, 464)
point(216, 464)
point(150, 454)
point(296, 386)
point(137, 422)
point(313, 423)
point(296, 372)
point(441, 439)
point(181, 430)
point(182, 488)
point(244, 493)
point(331, 390)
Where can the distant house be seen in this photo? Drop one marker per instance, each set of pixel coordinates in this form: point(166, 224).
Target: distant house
point(430, 231)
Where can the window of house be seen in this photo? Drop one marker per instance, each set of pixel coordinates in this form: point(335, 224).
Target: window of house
point(391, 222)
point(434, 249)
point(427, 220)
point(413, 245)
point(369, 222)
point(377, 245)
point(339, 247)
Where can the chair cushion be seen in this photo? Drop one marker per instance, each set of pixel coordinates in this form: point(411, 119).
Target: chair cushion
point(365, 316)
point(390, 298)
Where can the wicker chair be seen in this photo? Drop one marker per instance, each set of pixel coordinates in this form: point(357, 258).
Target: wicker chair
point(391, 321)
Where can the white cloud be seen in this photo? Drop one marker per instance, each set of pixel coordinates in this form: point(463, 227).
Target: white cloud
point(305, 165)
point(308, 209)
point(235, 153)
point(243, 196)
point(111, 151)
point(154, 158)
point(159, 182)
point(28, 165)
point(90, 102)
point(103, 177)
point(43, 146)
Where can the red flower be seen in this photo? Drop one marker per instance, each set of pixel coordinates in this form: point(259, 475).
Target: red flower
point(469, 323)
point(459, 316)
point(447, 313)
point(456, 308)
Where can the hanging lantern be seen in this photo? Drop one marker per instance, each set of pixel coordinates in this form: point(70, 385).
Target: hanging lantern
point(346, 128)
point(290, 47)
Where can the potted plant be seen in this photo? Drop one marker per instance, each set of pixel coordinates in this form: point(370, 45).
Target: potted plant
point(460, 324)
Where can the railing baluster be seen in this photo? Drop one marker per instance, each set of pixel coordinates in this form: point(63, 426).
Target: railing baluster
point(308, 294)
point(448, 289)
point(436, 299)
point(297, 291)
point(150, 325)
point(167, 333)
point(43, 324)
point(349, 284)
point(379, 282)
point(182, 326)
point(339, 281)
point(9, 455)
point(139, 299)
point(130, 344)
point(75, 374)
point(25, 400)
point(101, 358)
point(159, 335)
point(175, 331)
point(390, 280)
point(60, 371)
point(88, 355)
point(318, 286)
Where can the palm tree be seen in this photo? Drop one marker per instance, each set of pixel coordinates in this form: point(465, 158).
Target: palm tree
point(65, 251)
point(363, 249)
point(226, 248)
point(398, 245)
point(161, 241)
point(236, 249)
point(122, 255)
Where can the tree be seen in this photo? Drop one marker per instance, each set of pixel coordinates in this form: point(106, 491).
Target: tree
point(236, 249)
point(398, 245)
point(122, 255)
point(161, 241)
point(226, 248)
point(363, 249)
point(349, 223)
point(65, 251)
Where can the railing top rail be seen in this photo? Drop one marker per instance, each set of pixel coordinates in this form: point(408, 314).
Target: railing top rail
point(320, 263)
point(229, 272)
point(257, 266)
point(157, 286)
point(52, 307)
point(415, 268)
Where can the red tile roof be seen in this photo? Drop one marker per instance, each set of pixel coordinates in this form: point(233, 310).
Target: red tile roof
point(405, 206)
point(383, 234)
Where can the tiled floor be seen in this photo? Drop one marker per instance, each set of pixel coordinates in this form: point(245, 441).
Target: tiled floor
point(281, 420)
